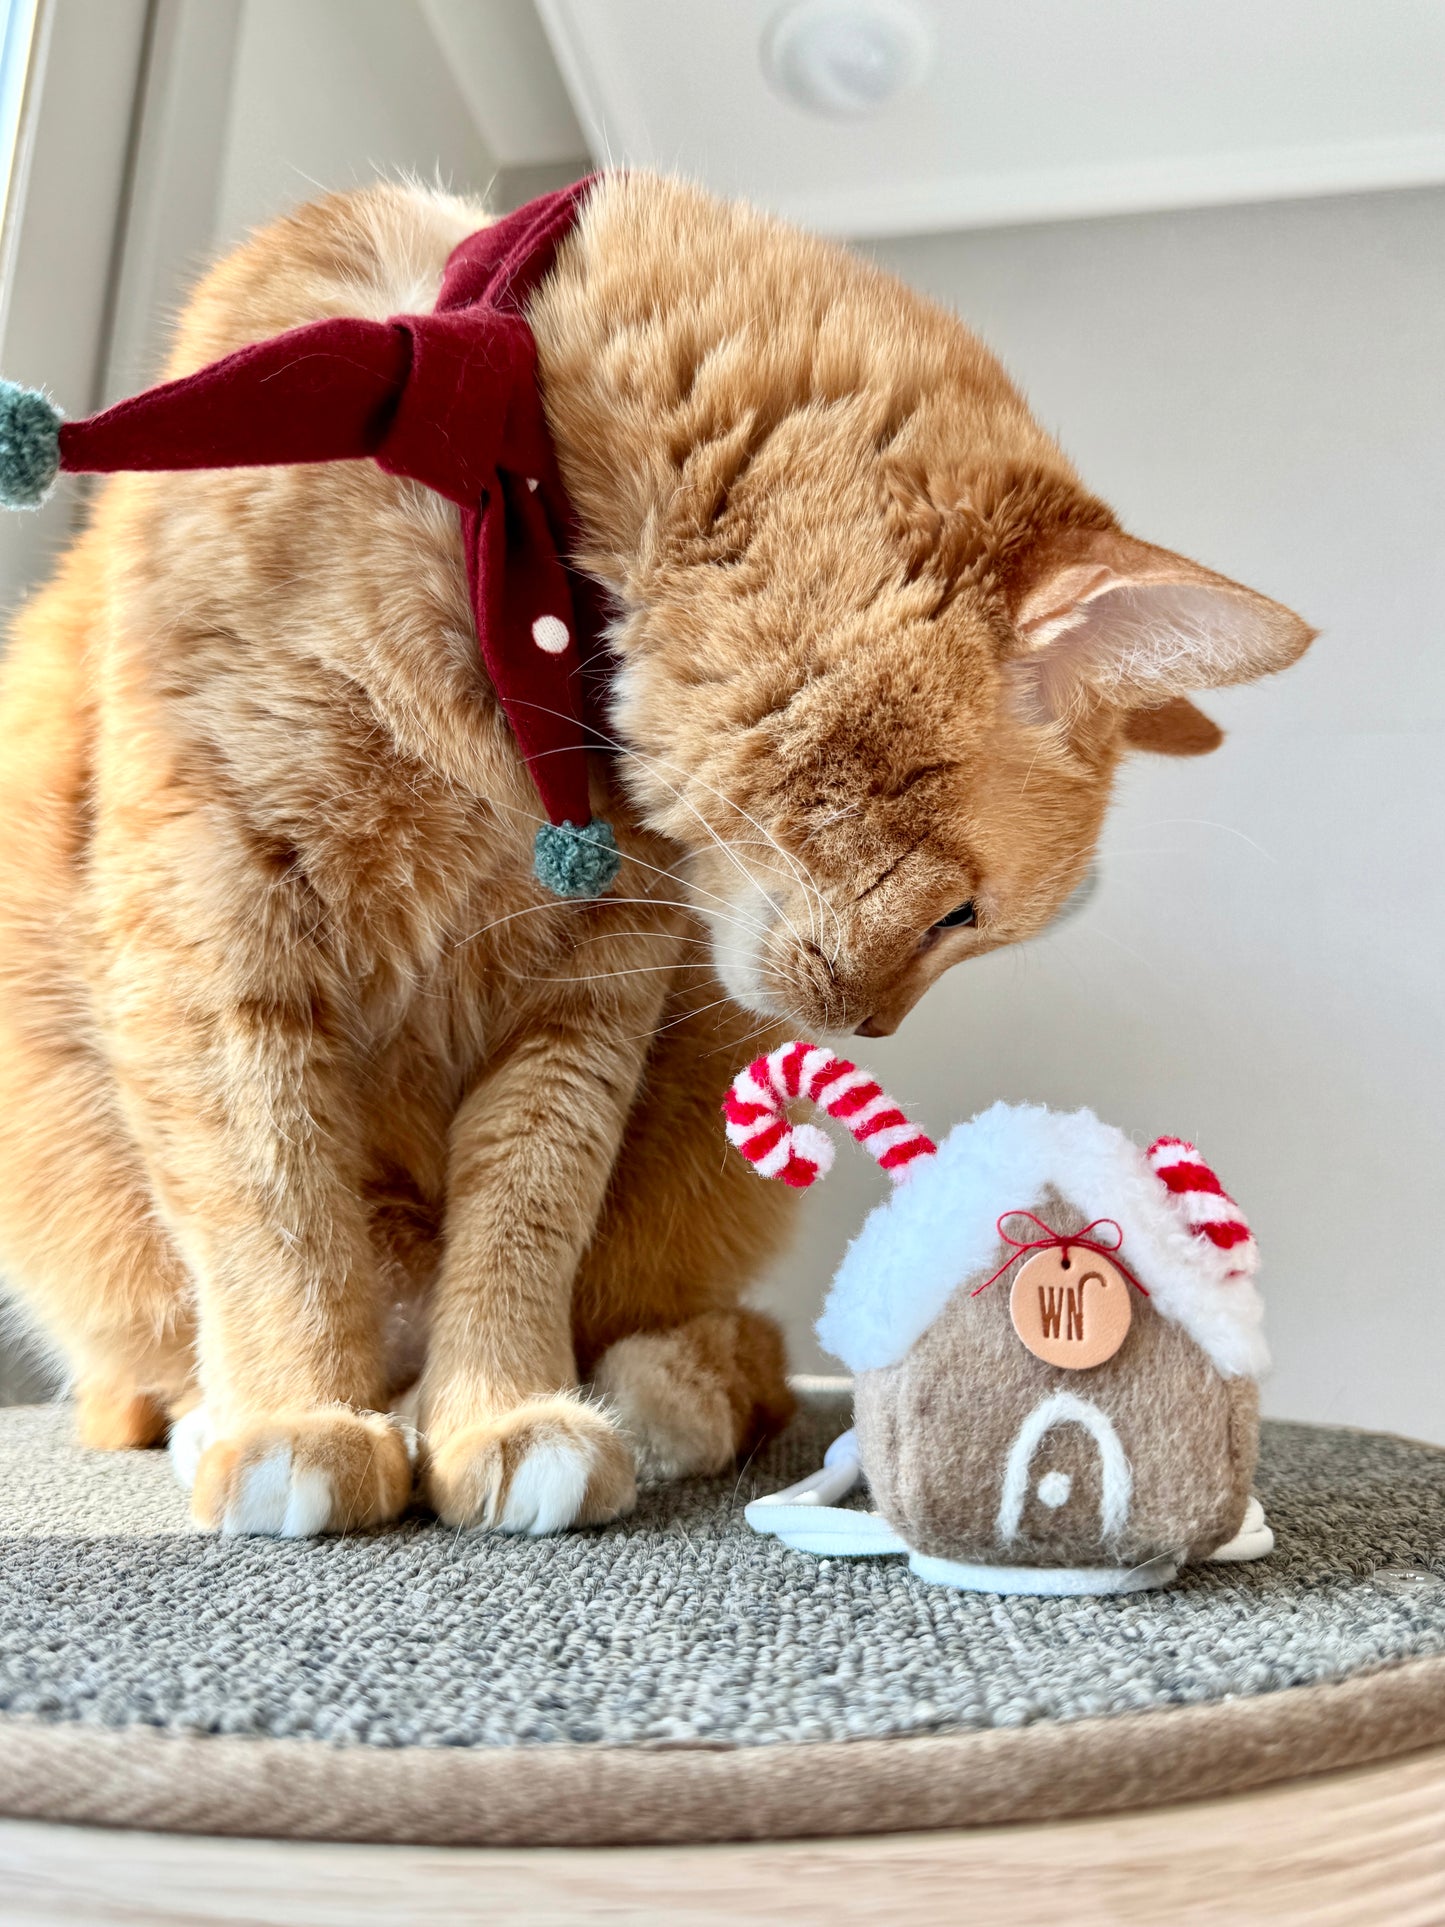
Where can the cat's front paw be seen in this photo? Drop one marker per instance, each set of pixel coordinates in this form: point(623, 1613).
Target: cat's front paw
point(552, 1462)
point(331, 1470)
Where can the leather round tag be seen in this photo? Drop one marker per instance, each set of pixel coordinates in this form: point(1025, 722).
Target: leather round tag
point(1071, 1309)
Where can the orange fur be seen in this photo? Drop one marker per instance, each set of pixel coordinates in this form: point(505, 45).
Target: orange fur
point(304, 1085)
point(111, 1419)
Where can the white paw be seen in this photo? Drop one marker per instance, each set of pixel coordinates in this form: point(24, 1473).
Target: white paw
point(328, 1470)
point(187, 1443)
point(405, 1415)
point(546, 1491)
point(553, 1461)
point(276, 1496)
point(406, 1406)
point(674, 1413)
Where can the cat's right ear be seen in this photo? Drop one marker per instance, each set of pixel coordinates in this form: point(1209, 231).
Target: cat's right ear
point(1104, 619)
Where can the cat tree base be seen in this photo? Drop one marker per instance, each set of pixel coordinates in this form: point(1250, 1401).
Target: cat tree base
point(678, 1688)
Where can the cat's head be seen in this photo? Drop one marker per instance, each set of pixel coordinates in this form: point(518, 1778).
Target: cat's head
point(881, 651)
point(878, 774)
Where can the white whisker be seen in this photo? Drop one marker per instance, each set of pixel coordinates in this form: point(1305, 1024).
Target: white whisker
point(605, 976)
point(531, 816)
point(650, 903)
point(1207, 823)
point(798, 871)
point(687, 1016)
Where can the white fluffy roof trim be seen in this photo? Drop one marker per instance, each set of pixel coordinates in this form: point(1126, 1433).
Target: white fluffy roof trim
point(938, 1230)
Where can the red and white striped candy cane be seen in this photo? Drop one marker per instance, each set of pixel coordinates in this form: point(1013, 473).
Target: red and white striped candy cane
point(1206, 1206)
point(758, 1125)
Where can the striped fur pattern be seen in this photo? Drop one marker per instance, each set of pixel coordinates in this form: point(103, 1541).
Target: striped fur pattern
point(1206, 1206)
point(757, 1120)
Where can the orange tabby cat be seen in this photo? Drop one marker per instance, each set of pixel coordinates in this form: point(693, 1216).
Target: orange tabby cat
point(304, 1084)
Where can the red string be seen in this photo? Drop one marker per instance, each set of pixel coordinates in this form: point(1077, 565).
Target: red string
point(1053, 1241)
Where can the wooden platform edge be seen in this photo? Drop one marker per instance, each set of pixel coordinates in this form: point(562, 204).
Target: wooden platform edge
point(580, 1796)
point(1350, 1849)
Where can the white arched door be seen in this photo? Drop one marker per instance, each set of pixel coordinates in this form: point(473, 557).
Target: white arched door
point(1116, 1480)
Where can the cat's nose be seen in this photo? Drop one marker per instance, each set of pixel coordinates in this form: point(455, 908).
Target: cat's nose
point(891, 1002)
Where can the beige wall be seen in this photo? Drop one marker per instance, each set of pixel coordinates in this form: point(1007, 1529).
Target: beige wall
point(1261, 968)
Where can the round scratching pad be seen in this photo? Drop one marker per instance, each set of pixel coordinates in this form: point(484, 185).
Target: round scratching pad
point(675, 1676)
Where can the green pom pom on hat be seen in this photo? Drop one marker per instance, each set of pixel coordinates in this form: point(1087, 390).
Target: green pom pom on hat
point(572, 862)
point(29, 445)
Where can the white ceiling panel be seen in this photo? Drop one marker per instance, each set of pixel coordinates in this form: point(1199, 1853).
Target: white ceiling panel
point(1032, 110)
point(505, 70)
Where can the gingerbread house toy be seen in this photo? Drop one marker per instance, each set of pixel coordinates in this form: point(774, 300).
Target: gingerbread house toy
point(1055, 1339)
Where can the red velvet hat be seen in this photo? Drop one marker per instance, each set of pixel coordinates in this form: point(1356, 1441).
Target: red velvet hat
point(449, 399)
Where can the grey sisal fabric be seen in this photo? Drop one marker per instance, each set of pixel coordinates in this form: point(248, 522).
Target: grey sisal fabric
point(676, 1626)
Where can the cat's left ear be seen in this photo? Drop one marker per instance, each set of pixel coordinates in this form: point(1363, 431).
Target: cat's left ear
point(1172, 728)
point(1103, 618)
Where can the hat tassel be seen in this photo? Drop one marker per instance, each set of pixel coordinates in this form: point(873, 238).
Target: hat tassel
point(576, 862)
point(29, 446)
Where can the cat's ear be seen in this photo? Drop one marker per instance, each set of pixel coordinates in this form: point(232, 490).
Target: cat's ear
point(1173, 728)
point(1102, 618)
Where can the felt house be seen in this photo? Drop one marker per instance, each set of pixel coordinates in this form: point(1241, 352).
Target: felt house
point(1055, 1338)
point(981, 1451)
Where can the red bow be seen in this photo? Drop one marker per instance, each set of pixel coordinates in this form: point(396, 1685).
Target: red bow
point(1054, 1240)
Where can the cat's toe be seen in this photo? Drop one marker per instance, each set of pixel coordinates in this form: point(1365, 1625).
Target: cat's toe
point(332, 1470)
point(548, 1464)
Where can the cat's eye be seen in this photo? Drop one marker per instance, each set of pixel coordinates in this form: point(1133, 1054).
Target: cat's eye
point(963, 918)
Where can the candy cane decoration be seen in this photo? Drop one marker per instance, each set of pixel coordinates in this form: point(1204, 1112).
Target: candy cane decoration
point(1205, 1205)
point(758, 1125)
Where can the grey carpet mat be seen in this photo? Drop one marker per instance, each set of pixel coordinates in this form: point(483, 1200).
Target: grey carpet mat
point(677, 1625)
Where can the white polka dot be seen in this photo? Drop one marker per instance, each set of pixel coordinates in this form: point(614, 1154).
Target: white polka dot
point(1054, 1489)
point(550, 633)
point(533, 483)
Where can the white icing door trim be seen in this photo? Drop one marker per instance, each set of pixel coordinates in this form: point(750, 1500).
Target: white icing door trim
point(1065, 1408)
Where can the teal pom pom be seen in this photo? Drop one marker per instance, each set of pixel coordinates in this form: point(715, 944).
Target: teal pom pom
point(29, 445)
point(576, 863)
